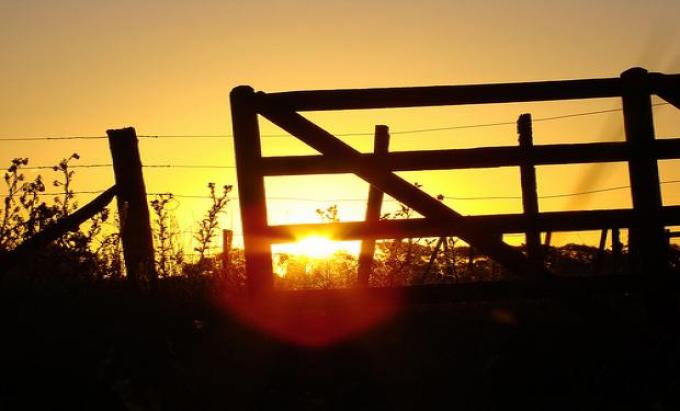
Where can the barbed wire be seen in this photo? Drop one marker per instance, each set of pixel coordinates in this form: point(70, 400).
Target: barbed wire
point(52, 138)
point(55, 168)
point(185, 166)
point(342, 134)
point(197, 166)
point(58, 193)
point(446, 197)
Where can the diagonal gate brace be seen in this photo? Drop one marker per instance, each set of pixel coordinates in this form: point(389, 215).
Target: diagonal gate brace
point(374, 173)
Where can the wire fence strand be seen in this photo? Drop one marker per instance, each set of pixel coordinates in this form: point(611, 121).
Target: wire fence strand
point(341, 134)
point(184, 166)
point(341, 200)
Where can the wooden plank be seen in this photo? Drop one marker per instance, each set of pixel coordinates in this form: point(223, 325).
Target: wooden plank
point(398, 188)
point(467, 158)
point(617, 245)
point(500, 223)
point(250, 179)
point(135, 230)
point(375, 197)
point(599, 259)
point(666, 86)
point(442, 95)
point(69, 223)
point(647, 241)
point(548, 239)
point(227, 240)
point(529, 190)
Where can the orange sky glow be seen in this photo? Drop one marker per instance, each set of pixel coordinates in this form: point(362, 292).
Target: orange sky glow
point(77, 68)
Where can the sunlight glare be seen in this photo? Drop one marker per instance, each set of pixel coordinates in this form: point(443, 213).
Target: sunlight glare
point(313, 246)
point(317, 246)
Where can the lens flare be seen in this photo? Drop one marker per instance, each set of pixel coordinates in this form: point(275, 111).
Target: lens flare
point(315, 318)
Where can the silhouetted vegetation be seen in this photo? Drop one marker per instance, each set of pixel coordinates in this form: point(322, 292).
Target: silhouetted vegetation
point(75, 255)
point(83, 340)
point(94, 251)
point(208, 228)
point(169, 253)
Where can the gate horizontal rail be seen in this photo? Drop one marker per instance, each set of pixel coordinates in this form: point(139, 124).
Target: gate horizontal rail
point(467, 158)
point(320, 100)
point(493, 224)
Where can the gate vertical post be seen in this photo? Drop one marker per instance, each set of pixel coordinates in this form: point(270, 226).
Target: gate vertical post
point(529, 191)
point(257, 246)
point(381, 143)
point(133, 208)
point(647, 250)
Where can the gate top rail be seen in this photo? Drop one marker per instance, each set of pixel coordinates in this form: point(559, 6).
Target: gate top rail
point(376, 98)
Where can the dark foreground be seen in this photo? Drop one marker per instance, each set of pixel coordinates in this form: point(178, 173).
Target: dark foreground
point(102, 347)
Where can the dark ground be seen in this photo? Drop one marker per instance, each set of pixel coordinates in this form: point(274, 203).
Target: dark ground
point(95, 347)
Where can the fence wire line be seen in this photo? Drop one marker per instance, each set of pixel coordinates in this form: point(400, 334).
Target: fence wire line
point(55, 168)
point(548, 196)
point(194, 166)
point(398, 132)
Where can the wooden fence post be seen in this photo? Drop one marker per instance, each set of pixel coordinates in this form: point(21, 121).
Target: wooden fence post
point(375, 196)
point(133, 208)
point(617, 246)
point(599, 259)
point(646, 236)
point(256, 244)
point(529, 191)
point(227, 239)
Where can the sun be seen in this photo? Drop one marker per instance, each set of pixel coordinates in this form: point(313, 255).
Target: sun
point(312, 246)
point(317, 247)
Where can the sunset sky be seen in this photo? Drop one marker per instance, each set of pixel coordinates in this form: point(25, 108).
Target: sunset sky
point(77, 68)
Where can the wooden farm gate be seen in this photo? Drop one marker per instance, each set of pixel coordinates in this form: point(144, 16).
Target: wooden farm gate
point(641, 150)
